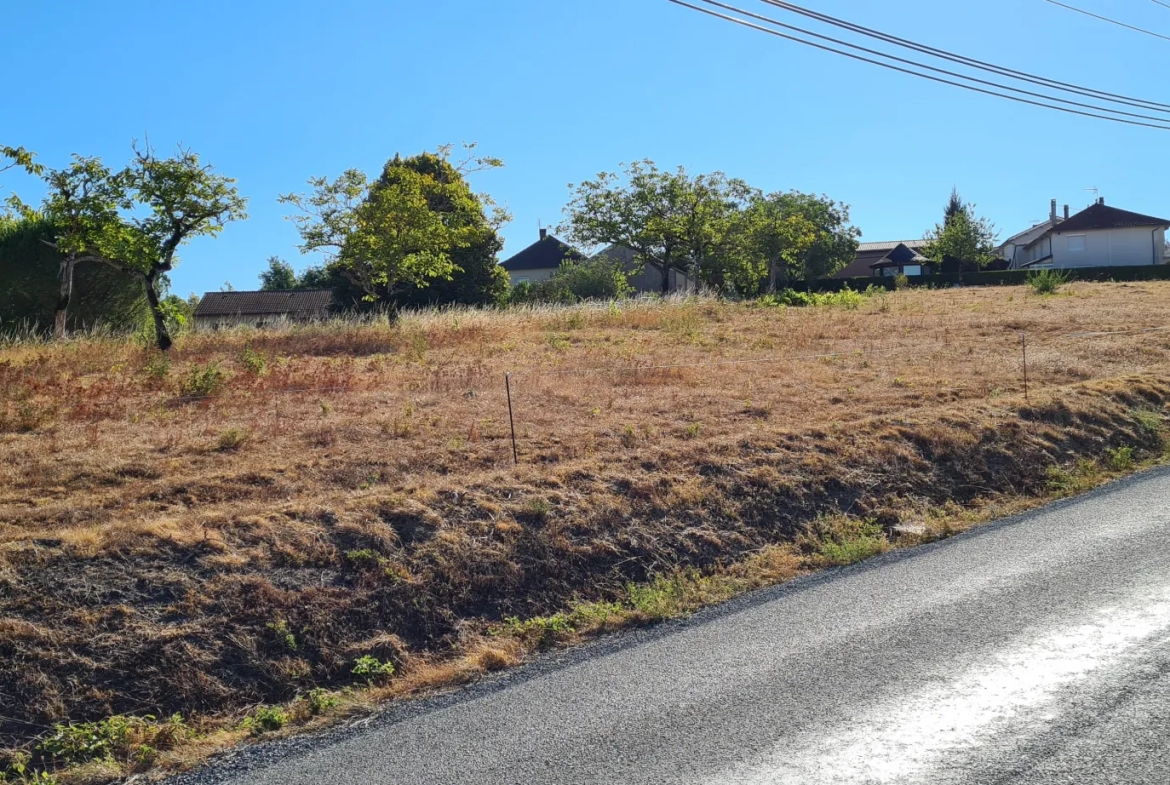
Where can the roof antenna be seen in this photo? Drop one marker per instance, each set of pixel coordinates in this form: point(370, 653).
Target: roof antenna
point(1096, 194)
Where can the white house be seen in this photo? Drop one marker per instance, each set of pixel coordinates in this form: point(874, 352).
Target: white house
point(1100, 236)
point(1014, 249)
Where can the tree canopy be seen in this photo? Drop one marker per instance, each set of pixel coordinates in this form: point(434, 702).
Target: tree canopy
point(963, 238)
point(135, 219)
point(418, 233)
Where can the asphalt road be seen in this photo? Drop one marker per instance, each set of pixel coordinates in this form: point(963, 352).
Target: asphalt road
point(1036, 651)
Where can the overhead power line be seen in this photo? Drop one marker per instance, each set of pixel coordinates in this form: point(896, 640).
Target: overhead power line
point(917, 64)
point(1141, 30)
point(1162, 3)
point(900, 69)
point(944, 54)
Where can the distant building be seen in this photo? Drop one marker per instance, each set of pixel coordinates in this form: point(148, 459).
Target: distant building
point(642, 278)
point(1100, 236)
point(540, 260)
point(888, 258)
point(257, 309)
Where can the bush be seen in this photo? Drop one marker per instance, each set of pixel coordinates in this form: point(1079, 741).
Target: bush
point(372, 669)
point(845, 298)
point(1047, 281)
point(265, 719)
point(593, 279)
point(231, 439)
point(253, 360)
point(202, 381)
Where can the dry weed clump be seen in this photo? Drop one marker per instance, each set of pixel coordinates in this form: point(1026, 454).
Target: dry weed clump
point(344, 493)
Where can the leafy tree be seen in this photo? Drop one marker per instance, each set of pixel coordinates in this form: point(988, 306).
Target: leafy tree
point(29, 286)
point(18, 157)
point(402, 230)
point(136, 219)
point(599, 278)
point(779, 238)
point(279, 275)
point(670, 220)
point(963, 236)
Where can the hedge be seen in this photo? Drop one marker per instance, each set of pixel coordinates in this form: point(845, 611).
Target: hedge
point(1160, 272)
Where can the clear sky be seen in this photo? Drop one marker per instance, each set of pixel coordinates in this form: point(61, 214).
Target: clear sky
point(272, 93)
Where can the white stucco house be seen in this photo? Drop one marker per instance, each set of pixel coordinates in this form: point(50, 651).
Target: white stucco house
point(1100, 236)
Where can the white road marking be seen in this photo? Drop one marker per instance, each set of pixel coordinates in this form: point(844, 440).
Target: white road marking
point(904, 741)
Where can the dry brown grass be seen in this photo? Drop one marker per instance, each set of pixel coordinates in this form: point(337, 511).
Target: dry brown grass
point(359, 492)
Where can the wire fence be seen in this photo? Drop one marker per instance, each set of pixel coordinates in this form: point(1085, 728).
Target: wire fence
point(523, 394)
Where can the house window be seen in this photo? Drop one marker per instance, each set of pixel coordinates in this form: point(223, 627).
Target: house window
point(912, 269)
point(1076, 243)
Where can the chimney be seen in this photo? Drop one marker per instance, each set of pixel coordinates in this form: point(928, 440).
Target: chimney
point(543, 234)
point(1066, 212)
point(1052, 213)
point(1101, 201)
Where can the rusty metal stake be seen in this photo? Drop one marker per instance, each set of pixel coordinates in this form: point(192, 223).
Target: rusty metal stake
point(1024, 348)
point(511, 419)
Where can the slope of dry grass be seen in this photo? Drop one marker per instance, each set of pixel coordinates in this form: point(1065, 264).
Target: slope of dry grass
point(348, 490)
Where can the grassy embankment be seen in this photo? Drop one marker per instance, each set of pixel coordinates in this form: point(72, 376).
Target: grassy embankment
point(342, 508)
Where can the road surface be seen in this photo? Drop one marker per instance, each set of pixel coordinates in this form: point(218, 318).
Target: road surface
point(1035, 650)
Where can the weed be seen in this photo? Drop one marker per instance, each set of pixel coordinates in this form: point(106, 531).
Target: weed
point(629, 436)
point(902, 382)
point(158, 367)
point(256, 362)
point(265, 719)
point(232, 439)
point(538, 507)
point(319, 700)
point(128, 739)
point(1060, 480)
point(372, 669)
point(693, 430)
point(1150, 424)
point(283, 634)
point(1047, 281)
point(901, 281)
point(543, 632)
point(1120, 459)
point(202, 381)
point(663, 597)
point(841, 541)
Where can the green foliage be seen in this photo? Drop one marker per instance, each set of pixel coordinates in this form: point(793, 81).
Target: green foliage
point(283, 635)
point(202, 381)
point(963, 236)
point(670, 220)
point(319, 700)
point(158, 367)
point(29, 286)
point(845, 298)
point(255, 361)
point(372, 669)
point(841, 541)
point(1151, 424)
point(664, 597)
point(1120, 459)
point(593, 279)
point(265, 719)
point(119, 738)
point(543, 632)
point(1047, 281)
point(278, 277)
point(404, 230)
point(232, 439)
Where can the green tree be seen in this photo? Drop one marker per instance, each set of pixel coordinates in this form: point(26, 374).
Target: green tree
point(29, 283)
point(670, 220)
point(135, 220)
point(963, 236)
point(279, 275)
point(779, 237)
point(400, 231)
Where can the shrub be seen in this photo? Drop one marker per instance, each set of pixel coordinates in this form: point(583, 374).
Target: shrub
point(265, 720)
point(202, 381)
point(1120, 459)
point(594, 279)
point(319, 700)
point(256, 362)
point(846, 298)
point(158, 367)
point(1047, 281)
point(372, 669)
point(231, 439)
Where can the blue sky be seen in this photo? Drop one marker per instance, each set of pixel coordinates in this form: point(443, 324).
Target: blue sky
point(274, 92)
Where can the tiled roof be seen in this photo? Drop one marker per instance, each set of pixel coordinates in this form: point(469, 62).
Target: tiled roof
point(544, 254)
point(916, 245)
point(295, 303)
point(1100, 216)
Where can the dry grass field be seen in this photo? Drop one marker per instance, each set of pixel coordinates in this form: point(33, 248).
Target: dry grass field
point(254, 518)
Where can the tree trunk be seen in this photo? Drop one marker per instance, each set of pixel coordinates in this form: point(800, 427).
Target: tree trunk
point(162, 335)
point(772, 275)
point(65, 294)
point(666, 279)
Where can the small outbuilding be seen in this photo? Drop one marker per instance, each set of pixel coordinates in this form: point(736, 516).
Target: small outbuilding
point(258, 309)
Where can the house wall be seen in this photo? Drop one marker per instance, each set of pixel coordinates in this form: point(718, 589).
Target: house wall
point(649, 280)
point(1109, 248)
point(241, 320)
point(532, 276)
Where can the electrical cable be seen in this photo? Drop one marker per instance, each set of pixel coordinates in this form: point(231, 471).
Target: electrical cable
point(920, 75)
point(944, 54)
point(1110, 21)
point(955, 74)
